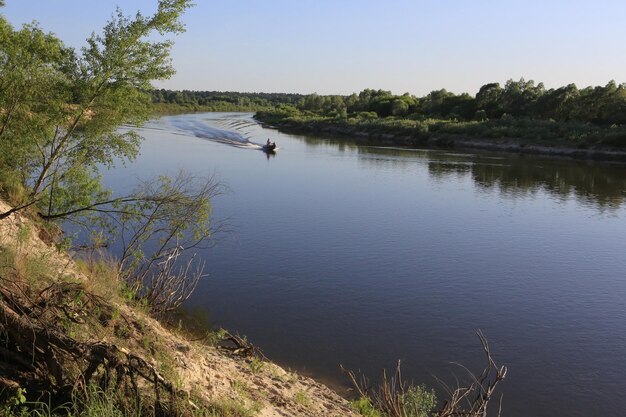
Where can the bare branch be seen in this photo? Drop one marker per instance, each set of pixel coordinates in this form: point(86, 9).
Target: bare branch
point(392, 395)
point(479, 392)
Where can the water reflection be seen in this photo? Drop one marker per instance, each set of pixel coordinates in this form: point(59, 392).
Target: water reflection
point(269, 154)
point(594, 185)
point(601, 186)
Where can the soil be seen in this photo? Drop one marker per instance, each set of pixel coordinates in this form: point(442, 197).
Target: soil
point(204, 371)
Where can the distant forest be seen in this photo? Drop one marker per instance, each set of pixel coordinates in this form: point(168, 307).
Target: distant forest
point(177, 101)
point(601, 105)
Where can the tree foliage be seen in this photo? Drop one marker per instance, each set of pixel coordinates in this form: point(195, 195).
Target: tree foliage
point(186, 100)
point(60, 109)
point(60, 113)
point(601, 105)
point(521, 100)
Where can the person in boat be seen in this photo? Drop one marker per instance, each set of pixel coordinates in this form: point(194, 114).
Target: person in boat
point(268, 143)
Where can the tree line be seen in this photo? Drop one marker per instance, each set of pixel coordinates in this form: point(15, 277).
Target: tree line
point(203, 98)
point(520, 112)
point(601, 105)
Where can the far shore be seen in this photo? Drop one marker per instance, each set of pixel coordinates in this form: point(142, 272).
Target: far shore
point(446, 141)
point(508, 145)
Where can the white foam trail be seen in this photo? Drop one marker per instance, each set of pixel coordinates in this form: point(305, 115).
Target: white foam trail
point(227, 130)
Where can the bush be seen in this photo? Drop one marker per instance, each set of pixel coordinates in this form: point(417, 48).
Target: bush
point(364, 406)
point(418, 401)
point(366, 115)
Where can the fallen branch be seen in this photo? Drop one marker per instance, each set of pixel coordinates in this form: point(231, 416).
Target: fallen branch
point(240, 346)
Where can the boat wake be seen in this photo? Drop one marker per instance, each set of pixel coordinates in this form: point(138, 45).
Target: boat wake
point(230, 130)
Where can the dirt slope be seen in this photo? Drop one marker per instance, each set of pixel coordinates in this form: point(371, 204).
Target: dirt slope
point(202, 370)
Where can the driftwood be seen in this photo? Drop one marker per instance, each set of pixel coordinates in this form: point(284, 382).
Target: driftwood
point(240, 346)
point(37, 351)
point(469, 400)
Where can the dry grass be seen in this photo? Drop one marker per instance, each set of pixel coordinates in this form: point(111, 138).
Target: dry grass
point(103, 276)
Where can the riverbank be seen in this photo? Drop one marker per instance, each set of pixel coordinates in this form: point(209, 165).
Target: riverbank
point(83, 323)
point(163, 109)
point(550, 139)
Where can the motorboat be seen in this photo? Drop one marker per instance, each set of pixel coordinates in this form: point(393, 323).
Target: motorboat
point(269, 147)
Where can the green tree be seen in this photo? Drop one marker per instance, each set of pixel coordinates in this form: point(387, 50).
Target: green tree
point(33, 90)
point(61, 110)
point(557, 104)
point(313, 102)
point(489, 98)
point(601, 105)
point(442, 103)
point(520, 97)
point(399, 107)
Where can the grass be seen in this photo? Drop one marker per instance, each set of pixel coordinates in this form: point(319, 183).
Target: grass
point(103, 277)
point(13, 190)
point(302, 399)
point(364, 406)
point(19, 265)
point(97, 404)
point(24, 268)
point(105, 405)
point(256, 365)
point(227, 408)
point(243, 392)
point(417, 401)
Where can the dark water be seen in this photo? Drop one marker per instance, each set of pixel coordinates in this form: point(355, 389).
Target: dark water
point(363, 256)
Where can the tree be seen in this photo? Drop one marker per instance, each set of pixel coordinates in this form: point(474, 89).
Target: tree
point(33, 90)
point(154, 228)
point(61, 110)
point(399, 107)
point(602, 105)
point(488, 99)
point(557, 104)
point(520, 97)
point(443, 103)
point(313, 102)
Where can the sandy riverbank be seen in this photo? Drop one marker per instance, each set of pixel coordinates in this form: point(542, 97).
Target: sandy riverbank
point(204, 372)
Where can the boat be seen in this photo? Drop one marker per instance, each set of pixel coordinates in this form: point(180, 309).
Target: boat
point(270, 147)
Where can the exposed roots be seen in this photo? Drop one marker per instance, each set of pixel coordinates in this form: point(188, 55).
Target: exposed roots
point(39, 353)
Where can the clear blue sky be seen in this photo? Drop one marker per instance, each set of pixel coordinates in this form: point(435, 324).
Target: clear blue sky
point(340, 47)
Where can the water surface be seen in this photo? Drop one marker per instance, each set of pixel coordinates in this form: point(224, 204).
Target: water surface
point(364, 255)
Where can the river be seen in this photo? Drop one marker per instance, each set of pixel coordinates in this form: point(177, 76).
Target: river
point(364, 255)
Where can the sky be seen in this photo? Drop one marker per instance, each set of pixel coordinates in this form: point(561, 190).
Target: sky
point(345, 46)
